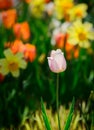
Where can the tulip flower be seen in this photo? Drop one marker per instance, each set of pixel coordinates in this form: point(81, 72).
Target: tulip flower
point(6, 4)
point(57, 64)
point(22, 31)
point(17, 46)
point(30, 52)
point(9, 17)
point(56, 61)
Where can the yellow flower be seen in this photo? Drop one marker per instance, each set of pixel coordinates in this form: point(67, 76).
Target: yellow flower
point(62, 7)
point(78, 11)
point(80, 33)
point(37, 7)
point(12, 63)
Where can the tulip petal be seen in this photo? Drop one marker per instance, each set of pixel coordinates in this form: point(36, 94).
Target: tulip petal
point(53, 65)
point(57, 62)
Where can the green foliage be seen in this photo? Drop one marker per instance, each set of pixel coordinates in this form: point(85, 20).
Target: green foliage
point(45, 118)
point(17, 94)
point(69, 119)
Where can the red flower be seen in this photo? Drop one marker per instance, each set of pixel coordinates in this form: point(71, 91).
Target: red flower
point(5, 4)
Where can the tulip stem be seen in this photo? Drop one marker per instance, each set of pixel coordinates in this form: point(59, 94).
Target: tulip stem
point(57, 101)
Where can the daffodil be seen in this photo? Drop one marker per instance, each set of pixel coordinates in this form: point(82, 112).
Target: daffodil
point(37, 7)
point(62, 7)
point(81, 33)
point(12, 63)
point(79, 11)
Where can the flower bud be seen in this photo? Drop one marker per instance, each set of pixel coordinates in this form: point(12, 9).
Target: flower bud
point(56, 61)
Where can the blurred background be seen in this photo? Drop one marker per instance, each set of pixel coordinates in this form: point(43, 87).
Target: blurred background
point(34, 28)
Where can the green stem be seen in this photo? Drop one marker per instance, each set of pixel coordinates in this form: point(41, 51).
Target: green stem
point(57, 101)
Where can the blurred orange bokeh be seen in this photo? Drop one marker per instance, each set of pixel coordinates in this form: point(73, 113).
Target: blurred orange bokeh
point(71, 50)
point(9, 17)
point(21, 30)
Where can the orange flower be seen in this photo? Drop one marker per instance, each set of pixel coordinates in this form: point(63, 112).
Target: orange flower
point(27, 49)
point(76, 52)
point(71, 50)
point(60, 40)
point(1, 77)
point(9, 18)
point(21, 30)
point(30, 52)
point(5, 4)
point(17, 46)
point(68, 47)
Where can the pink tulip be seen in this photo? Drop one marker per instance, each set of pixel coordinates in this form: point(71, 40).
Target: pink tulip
point(56, 61)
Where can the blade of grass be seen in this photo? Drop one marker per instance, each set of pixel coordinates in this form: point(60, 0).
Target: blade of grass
point(69, 119)
point(92, 122)
point(45, 118)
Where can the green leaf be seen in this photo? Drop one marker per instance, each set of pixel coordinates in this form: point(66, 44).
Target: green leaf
point(92, 121)
point(69, 119)
point(45, 118)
